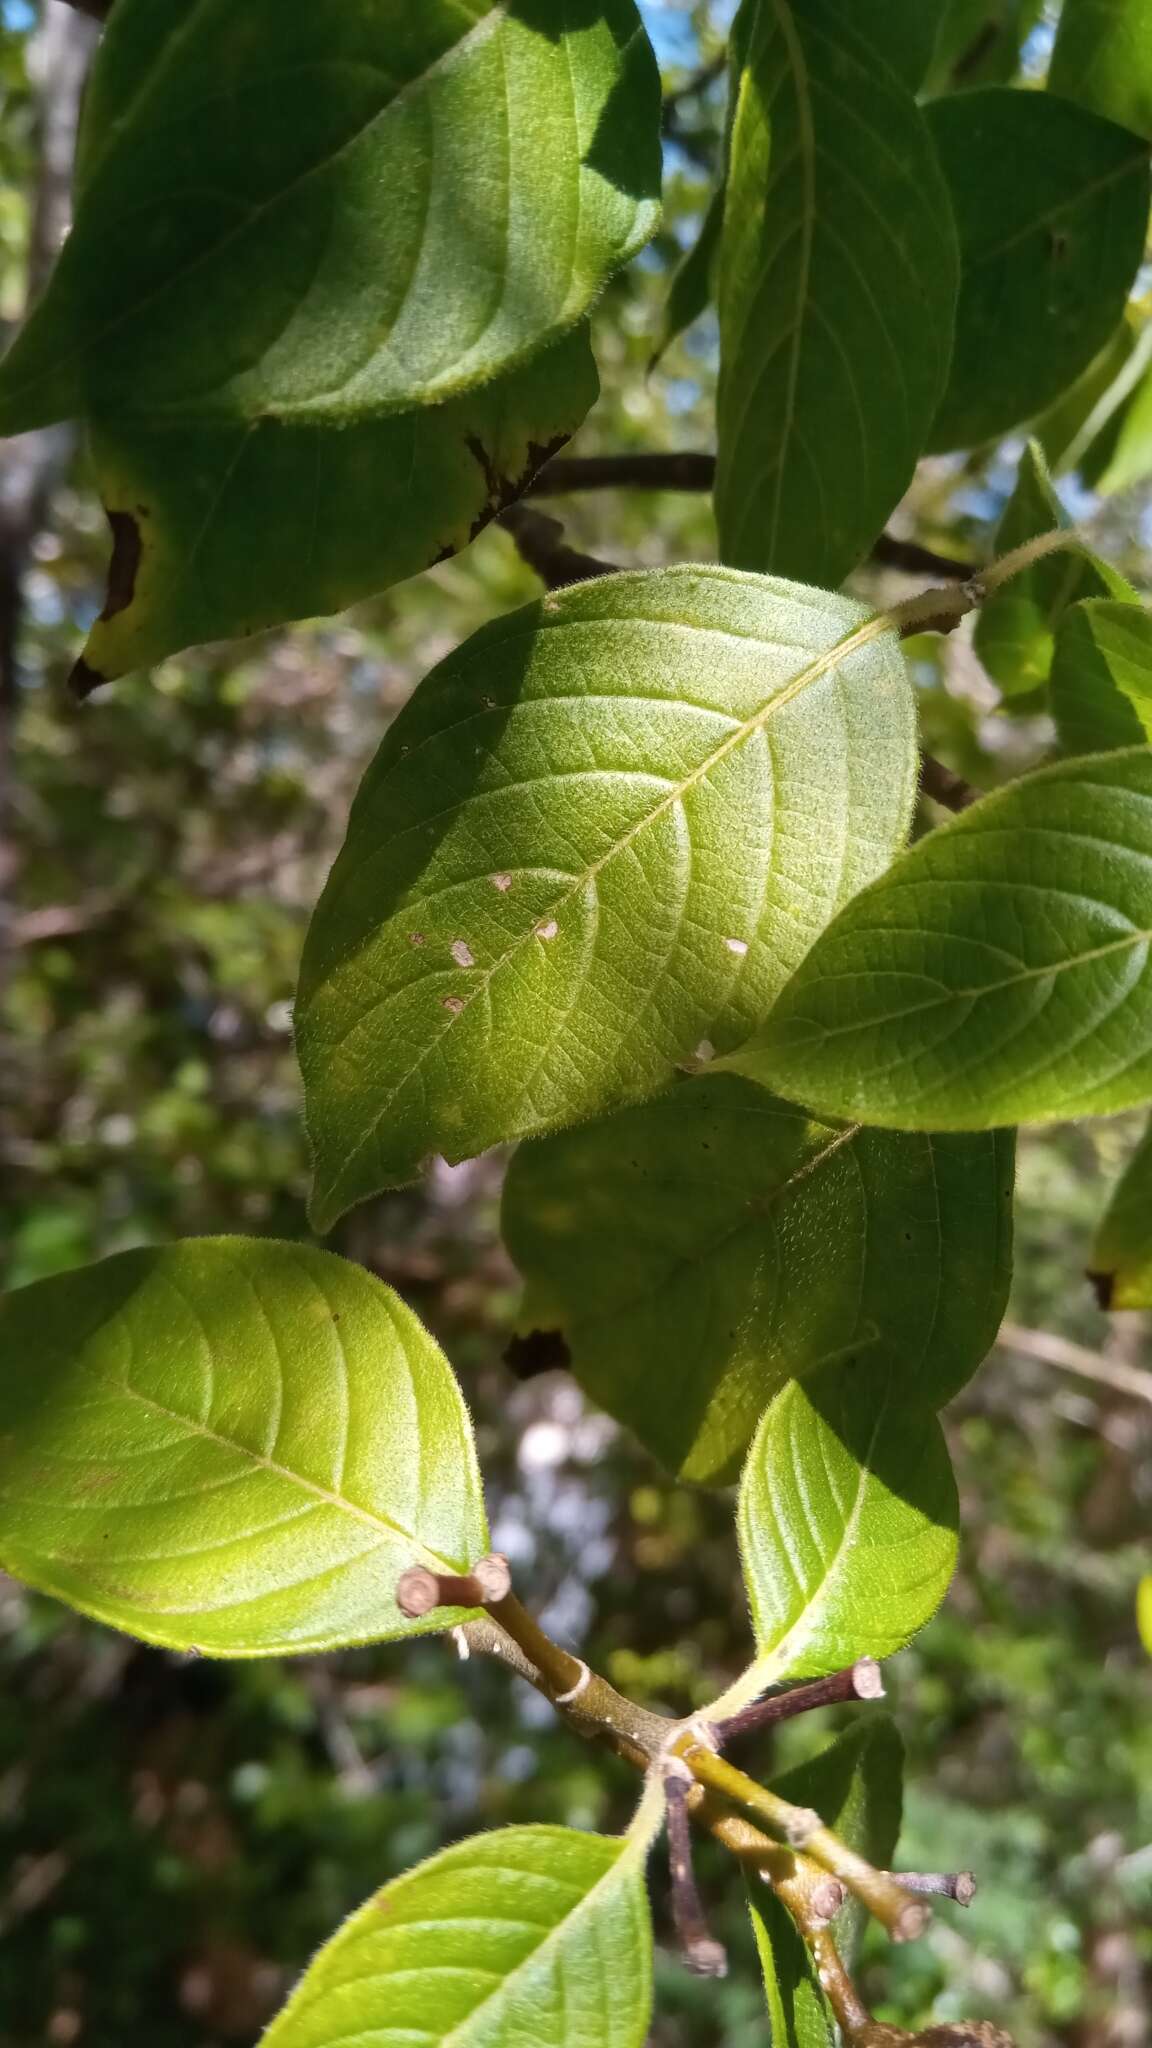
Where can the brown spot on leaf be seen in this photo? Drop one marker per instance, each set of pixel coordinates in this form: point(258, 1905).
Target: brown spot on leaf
point(1103, 1286)
point(125, 564)
point(504, 490)
point(83, 679)
point(536, 1352)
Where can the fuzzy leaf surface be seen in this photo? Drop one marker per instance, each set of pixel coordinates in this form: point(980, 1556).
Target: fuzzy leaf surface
point(847, 1521)
point(717, 1242)
point(608, 827)
point(837, 291)
point(1102, 677)
point(528, 1937)
point(329, 213)
point(1051, 205)
point(998, 974)
point(233, 1445)
point(1015, 632)
point(1122, 1254)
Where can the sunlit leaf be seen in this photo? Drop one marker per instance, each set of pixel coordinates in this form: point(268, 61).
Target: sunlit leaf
point(1130, 460)
point(605, 829)
point(998, 974)
point(224, 528)
point(1051, 204)
point(1103, 58)
point(1085, 428)
point(529, 1937)
point(1122, 1254)
point(328, 213)
point(230, 1444)
point(837, 288)
point(698, 1251)
point(1016, 625)
point(1102, 677)
point(847, 1522)
point(317, 252)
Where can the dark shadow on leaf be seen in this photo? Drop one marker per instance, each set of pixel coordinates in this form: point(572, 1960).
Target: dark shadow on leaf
point(633, 106)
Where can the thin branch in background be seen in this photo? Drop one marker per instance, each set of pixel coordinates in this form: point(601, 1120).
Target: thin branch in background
point(697, 1947)
point(1049, 1349)
point(541, 544)
point(945, 787)
point(890, 552)
point(686, 470)
point(96, 10)
point(677, 470)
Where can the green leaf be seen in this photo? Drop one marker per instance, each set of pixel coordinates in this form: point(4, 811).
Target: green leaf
point(233, 1445)
point(329, 213)
point(799, 2015)
point(1016, 625)
point(998, 974)
point(529, 1937)
point(1130, 460)
point(847, 1521)
point(1102, 677)
point(606, 828)
point(1051, 204)
point(979, 42)
point(692, 287)
point(1103, 59)
point(837, 290)
point(1084, 429)
point(223, 529)
point(1122, 1254)
point(903, 32)
point(718, 1242)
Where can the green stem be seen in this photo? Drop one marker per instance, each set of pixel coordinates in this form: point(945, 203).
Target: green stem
point(800, 1828)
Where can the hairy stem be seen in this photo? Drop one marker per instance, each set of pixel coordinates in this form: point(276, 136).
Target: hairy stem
point(800, 1828)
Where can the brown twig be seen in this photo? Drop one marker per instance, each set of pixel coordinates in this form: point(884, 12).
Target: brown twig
point(541, 544)
point(419, 1591)
point(684, 470)
point(861, 1681)
point(945, 787)
point(698, 1948)
point(679, 470)
point(1051, 1349)
point(937, 1884)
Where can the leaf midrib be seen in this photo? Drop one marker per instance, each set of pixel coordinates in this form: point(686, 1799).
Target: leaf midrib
point(383, 1524)
point(776, 1662)
point(822, 664)
point(991, 988)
